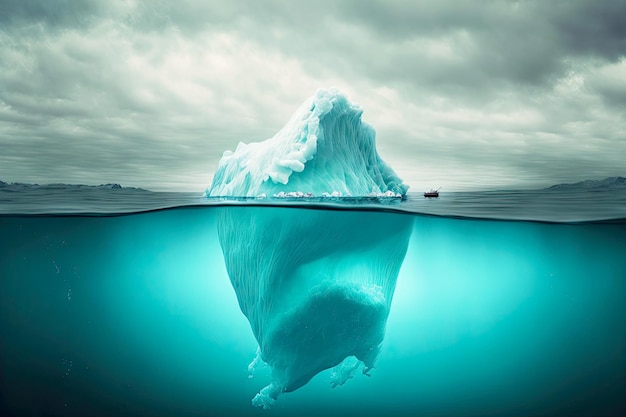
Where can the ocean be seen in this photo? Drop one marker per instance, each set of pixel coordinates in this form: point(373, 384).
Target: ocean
point(117, 302)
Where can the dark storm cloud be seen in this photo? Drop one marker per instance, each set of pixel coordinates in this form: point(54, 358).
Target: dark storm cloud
point(520, 41)
point(589, 27)
point(54, 13)
point(526, 42)
point(573, 26)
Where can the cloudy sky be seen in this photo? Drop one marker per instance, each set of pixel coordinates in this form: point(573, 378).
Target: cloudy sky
point(481, 94)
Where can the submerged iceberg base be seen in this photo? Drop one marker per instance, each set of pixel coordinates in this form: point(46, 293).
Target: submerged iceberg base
point(315, 285)
point(335, 321)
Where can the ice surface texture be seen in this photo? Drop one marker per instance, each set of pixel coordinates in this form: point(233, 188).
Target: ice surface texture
point(316, 285)
point(324, 147)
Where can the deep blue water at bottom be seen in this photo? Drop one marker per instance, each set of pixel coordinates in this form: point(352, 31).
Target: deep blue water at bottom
point(134, 315)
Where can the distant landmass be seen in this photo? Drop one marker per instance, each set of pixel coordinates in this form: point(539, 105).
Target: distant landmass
point(20, 186)
point(607, 183)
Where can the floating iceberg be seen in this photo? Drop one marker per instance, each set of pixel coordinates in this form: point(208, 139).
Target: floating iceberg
point(315, 285)
point(324, 148)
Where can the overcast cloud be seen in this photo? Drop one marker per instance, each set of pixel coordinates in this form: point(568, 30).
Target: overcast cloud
point(481, 94)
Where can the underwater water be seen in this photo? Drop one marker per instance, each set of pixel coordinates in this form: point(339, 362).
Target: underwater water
point(119, 309)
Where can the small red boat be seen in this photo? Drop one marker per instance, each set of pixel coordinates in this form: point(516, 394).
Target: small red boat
point(432, 193)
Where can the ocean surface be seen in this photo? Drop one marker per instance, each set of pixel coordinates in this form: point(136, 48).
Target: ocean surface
point(117, 302)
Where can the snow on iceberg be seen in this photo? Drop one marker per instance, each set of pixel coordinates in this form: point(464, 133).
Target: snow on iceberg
point(315, 285)
point(325, 147)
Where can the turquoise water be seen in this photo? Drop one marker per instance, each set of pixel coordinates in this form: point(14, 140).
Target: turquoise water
point(135, 314)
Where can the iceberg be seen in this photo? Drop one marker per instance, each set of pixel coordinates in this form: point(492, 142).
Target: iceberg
point(315, 284)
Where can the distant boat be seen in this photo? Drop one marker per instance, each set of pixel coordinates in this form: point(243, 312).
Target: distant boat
point(432, 193)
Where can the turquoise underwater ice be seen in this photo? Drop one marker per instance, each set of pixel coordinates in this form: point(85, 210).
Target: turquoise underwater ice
point(316, 289)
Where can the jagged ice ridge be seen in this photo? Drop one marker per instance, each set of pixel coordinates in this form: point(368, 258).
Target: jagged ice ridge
point(324, 148)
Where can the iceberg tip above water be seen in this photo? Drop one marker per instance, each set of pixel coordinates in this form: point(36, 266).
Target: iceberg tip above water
point(325, 147)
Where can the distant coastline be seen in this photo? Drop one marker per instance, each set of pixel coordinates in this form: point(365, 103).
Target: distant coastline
point(20, 186)
point(610, 182)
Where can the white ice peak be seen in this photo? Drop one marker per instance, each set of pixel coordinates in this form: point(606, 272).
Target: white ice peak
point(324, 146)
